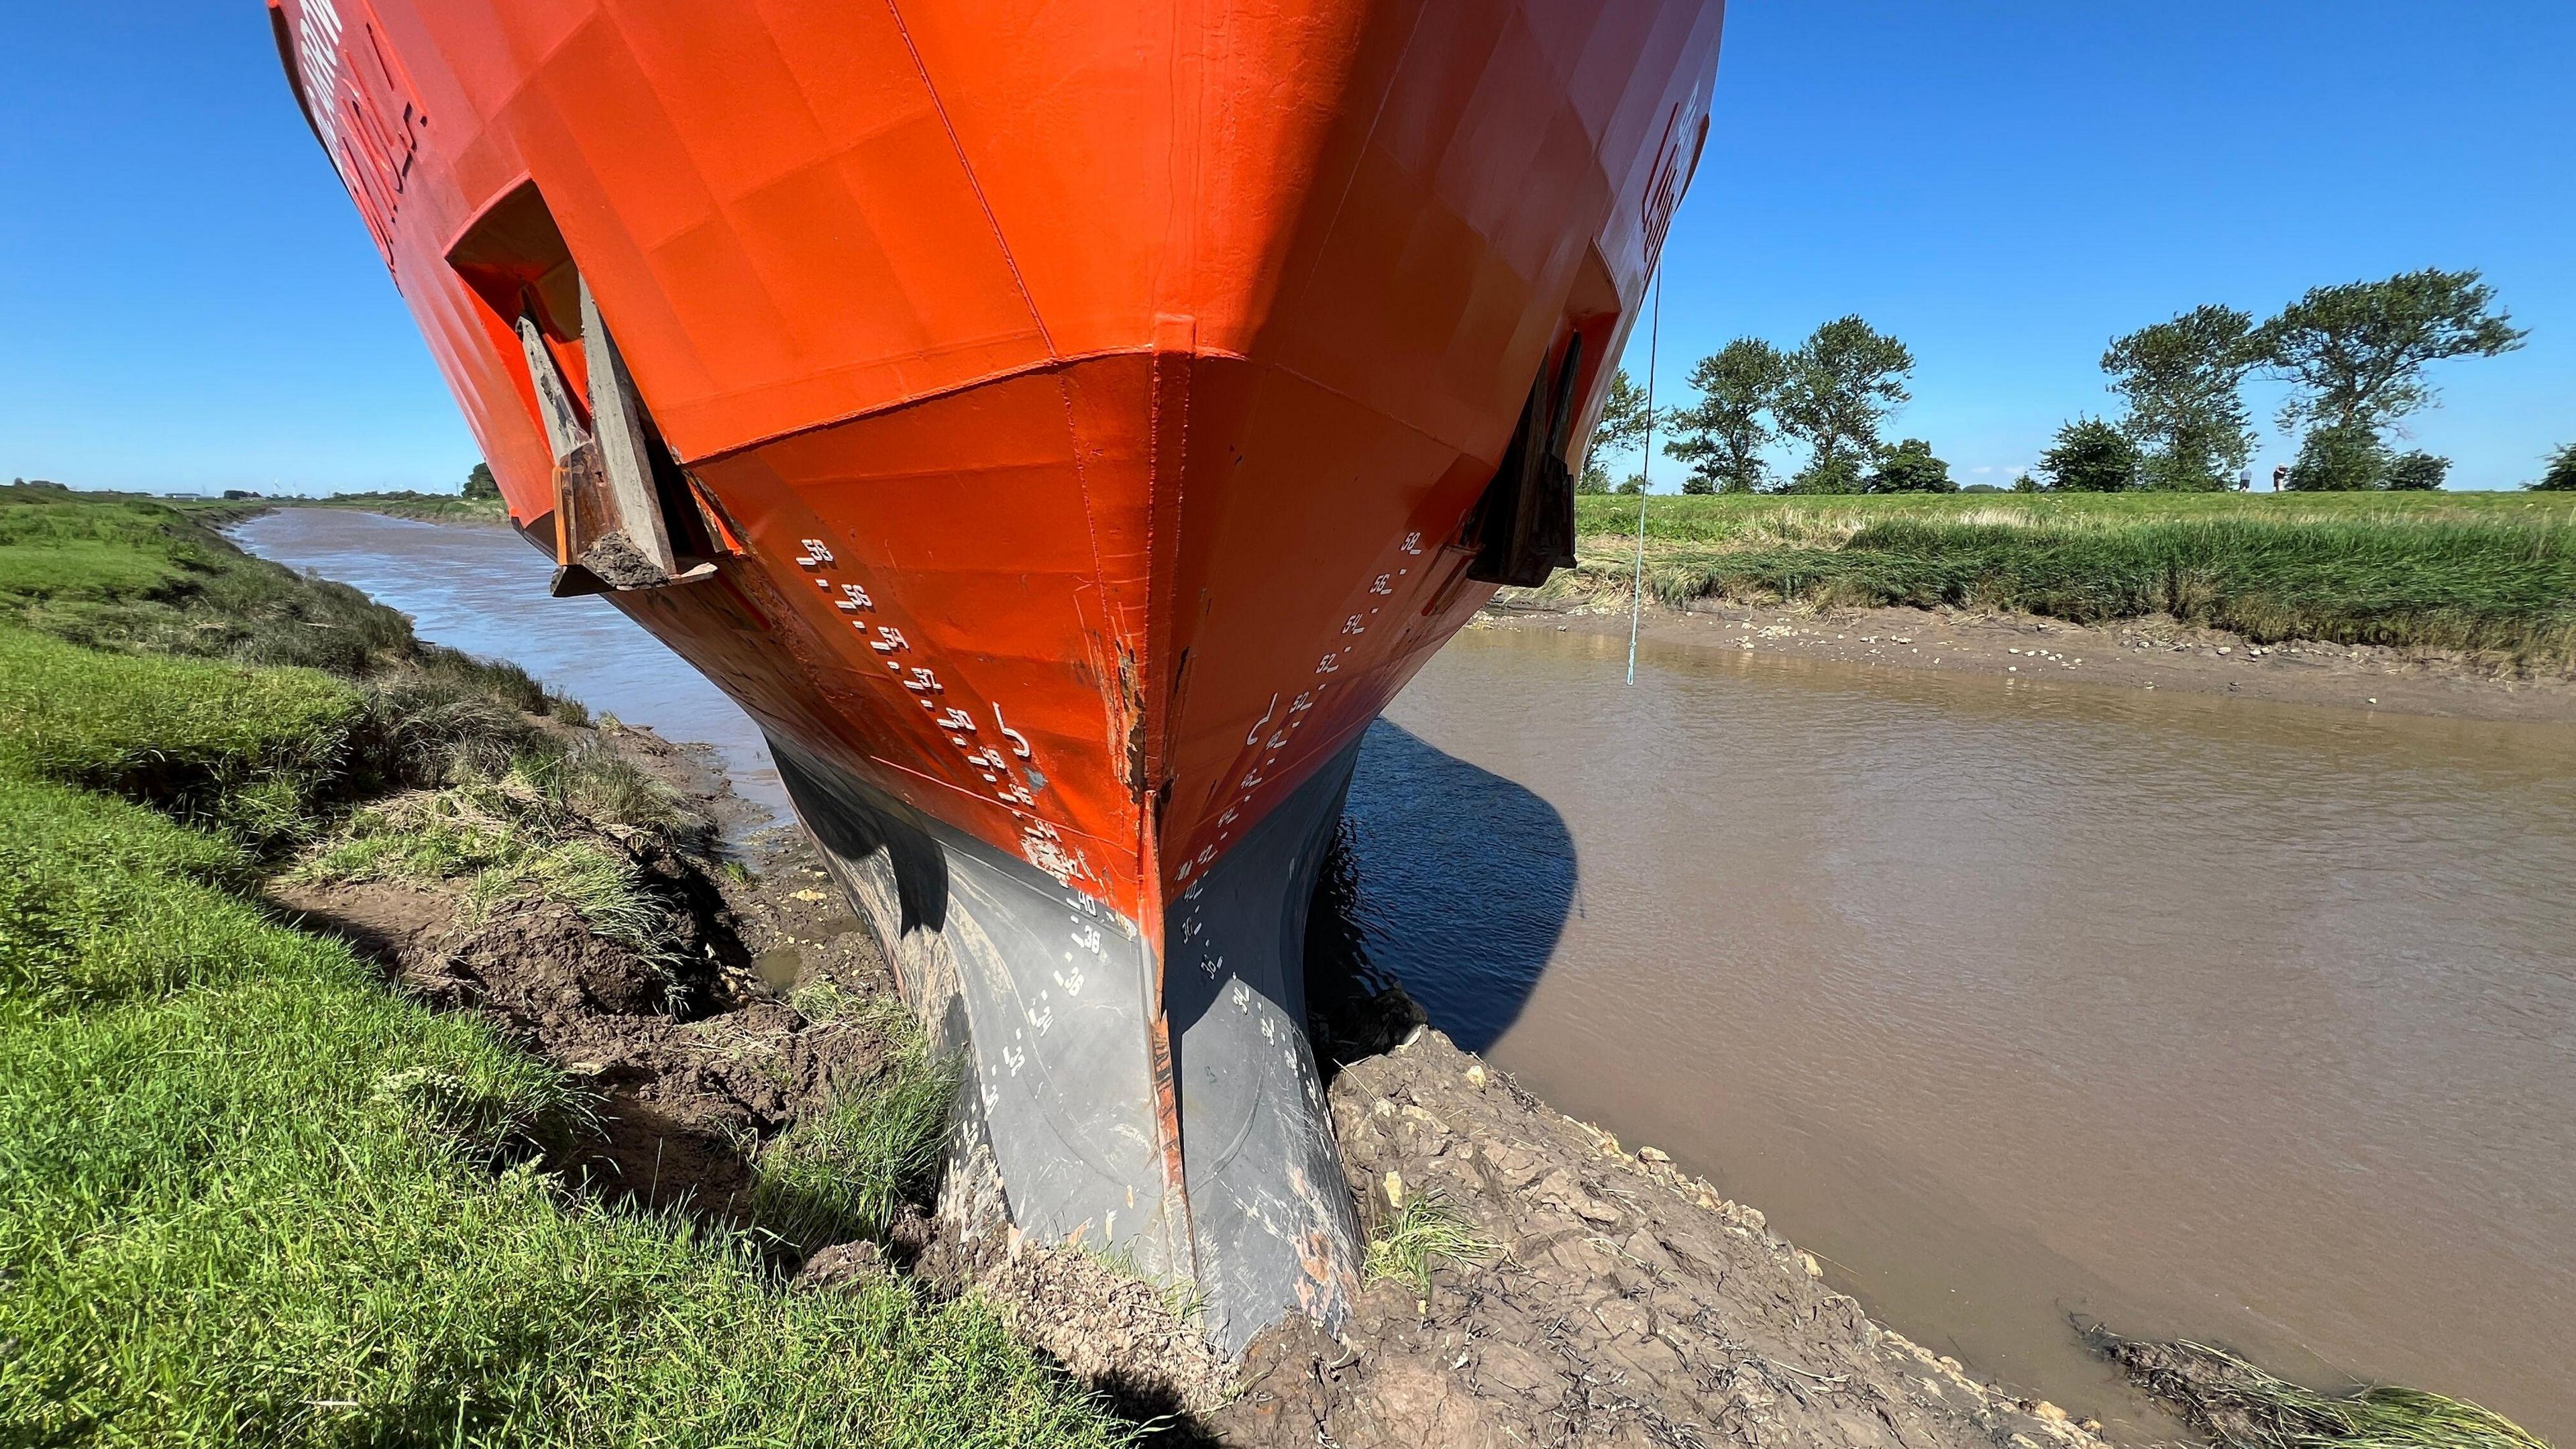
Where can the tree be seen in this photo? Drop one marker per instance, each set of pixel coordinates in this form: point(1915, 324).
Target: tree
point(1624, 422)
point(2561, 477)
point(1842, 384)
point(1909, 467)
point(2090, 456)
point(1722, 435)
point(2341, 458)
point(2184, 382)
point(1636, 484)
point(2417, 472)
point(1828, 475)
point(480, 482)
point(1623, 428)
point(2358, 352)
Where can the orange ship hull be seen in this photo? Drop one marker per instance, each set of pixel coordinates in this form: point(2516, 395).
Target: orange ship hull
point(1062, 428)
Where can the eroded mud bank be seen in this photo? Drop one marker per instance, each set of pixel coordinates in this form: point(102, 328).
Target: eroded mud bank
point(1625, 1302)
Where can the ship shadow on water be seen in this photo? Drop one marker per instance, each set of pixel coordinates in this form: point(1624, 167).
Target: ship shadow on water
point(1444, 878)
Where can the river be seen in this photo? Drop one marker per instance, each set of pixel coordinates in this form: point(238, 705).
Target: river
point(482, 589)
point(2012, 1002)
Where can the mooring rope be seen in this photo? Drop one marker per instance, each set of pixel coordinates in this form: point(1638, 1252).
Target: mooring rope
point(1645, 471)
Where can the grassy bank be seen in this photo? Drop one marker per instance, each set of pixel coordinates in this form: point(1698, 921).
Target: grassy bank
point(398, 503)
point(250, 1195)
point(407, 503)
point(2494, 573)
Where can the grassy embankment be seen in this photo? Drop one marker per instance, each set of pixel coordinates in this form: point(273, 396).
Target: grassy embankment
point(2493, 573)
point(400, 503)
point(250, 1195)
point(407, 503)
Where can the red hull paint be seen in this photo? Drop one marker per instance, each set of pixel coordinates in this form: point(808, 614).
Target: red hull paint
point(1095, 394)
point(1115, 350)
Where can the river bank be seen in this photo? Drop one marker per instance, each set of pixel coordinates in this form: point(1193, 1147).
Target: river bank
point(1622, 1297)
point(254, 1192)
point(496, 1040)
point(2491, 575)
point(405, 503)
point(2155, 652)
point(1635, 1304)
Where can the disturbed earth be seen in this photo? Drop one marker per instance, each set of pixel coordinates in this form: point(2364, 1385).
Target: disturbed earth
point(1628, 1303)
point(1613, 1300)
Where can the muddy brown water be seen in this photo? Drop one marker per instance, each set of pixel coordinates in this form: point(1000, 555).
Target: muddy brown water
point(2250, 1022)
point(2010, 1001)
point(482, 589)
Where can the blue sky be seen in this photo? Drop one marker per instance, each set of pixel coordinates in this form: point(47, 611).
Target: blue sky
point(187, 300)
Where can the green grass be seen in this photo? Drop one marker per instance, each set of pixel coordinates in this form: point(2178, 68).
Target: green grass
point(847, 1171)
point(2488, 573)
point(128, 574)
point(544, 823)
point(399, 503)
point(1725, 516)
point(250, 749)
point(1421, 1235)
point(822, 1000)
point(482, 835)
point(82, 570)
point(247, 1196)
point(406, 503)
point(2241, 1407)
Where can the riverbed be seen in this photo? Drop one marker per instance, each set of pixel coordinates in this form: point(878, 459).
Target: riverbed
point(2012, 1000)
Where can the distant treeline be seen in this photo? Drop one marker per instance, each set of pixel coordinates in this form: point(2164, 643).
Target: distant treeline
point(480, 489)
point(2354, 356)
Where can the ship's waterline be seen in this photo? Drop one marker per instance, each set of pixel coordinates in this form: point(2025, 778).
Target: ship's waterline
point(2252, 1022)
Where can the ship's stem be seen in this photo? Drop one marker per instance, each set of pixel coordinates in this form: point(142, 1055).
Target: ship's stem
point(1077, 1084)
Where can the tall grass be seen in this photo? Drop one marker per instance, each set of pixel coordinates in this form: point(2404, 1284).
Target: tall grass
point(847, 1171)
point(410, 503)
point(128, 574)
point(1424, 1233)
point(2489, 577)
point(540, 826)
point(2241, 1407)
point(1720, 517)
point(248, 749)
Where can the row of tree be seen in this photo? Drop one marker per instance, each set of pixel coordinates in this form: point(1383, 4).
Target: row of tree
point(1833, 394)
point(2354, 356)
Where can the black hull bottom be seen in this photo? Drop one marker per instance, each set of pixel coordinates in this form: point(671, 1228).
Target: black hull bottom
point(1049, 997)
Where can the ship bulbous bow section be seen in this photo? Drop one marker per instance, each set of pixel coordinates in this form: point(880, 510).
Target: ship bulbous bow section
point(1062, 427)
point(1188, 1133)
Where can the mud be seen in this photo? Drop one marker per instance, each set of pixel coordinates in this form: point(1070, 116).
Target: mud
point(695, 1060)
point(2151, 653)
point(1632, 1305)
point(1134, 1341)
